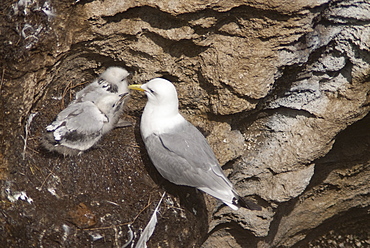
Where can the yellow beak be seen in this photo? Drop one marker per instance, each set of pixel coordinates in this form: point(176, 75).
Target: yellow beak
point(136, 87)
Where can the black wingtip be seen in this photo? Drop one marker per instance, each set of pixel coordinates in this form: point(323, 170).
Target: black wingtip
point(248, 204)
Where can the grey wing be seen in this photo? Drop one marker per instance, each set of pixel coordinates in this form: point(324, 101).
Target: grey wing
point(90, 92)
point(79, 125)
point(184, 156)
point(96, 89)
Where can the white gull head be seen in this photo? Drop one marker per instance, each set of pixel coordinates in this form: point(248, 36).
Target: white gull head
point(161, 112)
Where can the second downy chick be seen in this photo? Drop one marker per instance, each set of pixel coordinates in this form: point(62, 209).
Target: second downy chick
point(94, 112)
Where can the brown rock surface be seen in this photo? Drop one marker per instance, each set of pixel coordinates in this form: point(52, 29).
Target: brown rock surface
point(279, 88)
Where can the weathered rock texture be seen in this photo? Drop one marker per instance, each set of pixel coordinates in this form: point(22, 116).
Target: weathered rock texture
point(276, 86)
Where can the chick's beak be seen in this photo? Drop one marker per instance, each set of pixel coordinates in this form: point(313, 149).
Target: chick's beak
point(136, 87)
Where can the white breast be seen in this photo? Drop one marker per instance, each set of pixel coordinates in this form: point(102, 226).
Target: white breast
point(154, 121)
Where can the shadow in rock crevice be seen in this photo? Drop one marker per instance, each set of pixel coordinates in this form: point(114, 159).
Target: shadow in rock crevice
point(244, 238)
point(350, 229)
point(350, 148)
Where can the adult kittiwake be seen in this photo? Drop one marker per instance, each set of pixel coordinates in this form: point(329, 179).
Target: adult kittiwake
point(178, 149)
point(94, 112)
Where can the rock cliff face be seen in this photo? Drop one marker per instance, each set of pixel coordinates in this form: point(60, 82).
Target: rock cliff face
point(280, 89)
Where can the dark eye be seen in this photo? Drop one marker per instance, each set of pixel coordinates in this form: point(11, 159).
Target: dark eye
point(152, 91)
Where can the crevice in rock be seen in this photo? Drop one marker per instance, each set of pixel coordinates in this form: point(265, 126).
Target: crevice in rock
point(348, 229)
point(242, 237)
point(155, 17)
point(350, 147)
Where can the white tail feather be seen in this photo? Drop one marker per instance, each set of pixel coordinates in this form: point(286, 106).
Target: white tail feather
point(227, 196)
